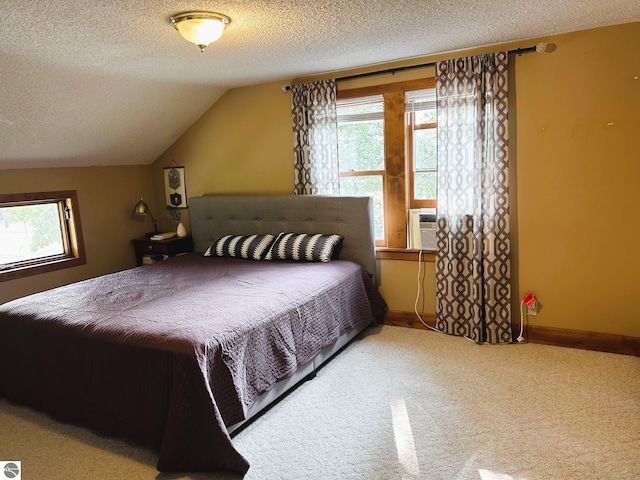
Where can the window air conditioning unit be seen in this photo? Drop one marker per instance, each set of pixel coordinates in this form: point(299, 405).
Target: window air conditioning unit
point(422, 228)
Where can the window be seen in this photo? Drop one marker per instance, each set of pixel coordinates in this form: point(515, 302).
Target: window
point(422, 135)
point(361, 152)
point(39, 232)
point(387, 148)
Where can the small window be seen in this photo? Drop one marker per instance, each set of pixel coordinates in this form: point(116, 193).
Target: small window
point(39, 232)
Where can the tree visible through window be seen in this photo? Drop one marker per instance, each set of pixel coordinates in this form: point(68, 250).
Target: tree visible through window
point(387, 149)
point(28, 232)
point(420, 107)
point(39, 232)
point(361, 152)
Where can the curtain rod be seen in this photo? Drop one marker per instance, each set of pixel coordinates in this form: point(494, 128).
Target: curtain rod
point(540, 48)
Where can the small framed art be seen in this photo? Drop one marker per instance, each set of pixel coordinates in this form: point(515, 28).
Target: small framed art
point(175, 191)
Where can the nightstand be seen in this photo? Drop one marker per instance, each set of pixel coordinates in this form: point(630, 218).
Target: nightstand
point(170, 247)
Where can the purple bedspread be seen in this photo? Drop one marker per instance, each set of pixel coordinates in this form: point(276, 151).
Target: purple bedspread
point(170, 353)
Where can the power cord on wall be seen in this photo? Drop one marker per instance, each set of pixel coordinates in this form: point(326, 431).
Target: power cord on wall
point(528, 301)
point(415, 305)
point(520, 339)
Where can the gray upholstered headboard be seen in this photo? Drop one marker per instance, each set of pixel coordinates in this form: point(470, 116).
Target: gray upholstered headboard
point(213, 216)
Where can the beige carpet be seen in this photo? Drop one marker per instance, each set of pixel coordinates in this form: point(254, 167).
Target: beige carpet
point(400, 404)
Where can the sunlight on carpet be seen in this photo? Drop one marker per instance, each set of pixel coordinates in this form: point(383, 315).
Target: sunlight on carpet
point(404, 440)
point(487, 475)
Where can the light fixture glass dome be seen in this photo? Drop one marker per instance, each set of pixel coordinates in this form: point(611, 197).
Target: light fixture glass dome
point(200, 28)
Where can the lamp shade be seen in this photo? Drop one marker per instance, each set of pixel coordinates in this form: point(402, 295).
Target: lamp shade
point(200, 28)
point(141, 208)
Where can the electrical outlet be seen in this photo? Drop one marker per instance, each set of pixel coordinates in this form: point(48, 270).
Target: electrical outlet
point(532, 309)
point(531, 302)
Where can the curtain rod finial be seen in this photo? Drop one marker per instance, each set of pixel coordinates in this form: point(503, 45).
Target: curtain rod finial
point(543, 47)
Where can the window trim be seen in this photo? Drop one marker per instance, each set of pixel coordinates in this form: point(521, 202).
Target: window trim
point(404, 254)
point(397, 196)
point(73, 242)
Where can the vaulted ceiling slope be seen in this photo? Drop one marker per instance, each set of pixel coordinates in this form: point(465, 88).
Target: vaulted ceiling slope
point(112, 83)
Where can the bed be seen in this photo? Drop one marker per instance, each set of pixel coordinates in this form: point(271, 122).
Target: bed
point(179, 354)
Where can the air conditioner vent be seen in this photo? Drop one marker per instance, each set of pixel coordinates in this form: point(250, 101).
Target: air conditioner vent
point(422, 228)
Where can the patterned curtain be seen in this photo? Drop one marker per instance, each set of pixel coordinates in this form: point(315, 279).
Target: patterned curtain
point(315, 138)
point(473, 247)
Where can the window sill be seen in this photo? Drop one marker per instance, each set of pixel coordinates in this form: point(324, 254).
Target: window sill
point(383, 253)
point(42, 267)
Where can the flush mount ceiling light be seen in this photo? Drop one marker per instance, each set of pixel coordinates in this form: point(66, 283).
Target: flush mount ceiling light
point(200, 28)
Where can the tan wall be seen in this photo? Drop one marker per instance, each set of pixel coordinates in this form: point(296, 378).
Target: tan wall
point(243, 144)
point(106, 197)
point(576, 176)
point(398, 282)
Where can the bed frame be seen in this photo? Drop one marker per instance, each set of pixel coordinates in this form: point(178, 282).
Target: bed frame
point(213, 216)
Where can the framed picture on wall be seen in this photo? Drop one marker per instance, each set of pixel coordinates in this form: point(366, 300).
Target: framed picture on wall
point(175, 191)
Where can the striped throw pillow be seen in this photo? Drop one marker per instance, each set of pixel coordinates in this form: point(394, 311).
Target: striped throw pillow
point(252, 247)
point(306, 247)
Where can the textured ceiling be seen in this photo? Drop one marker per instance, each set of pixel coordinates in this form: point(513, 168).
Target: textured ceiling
point(110, 82)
